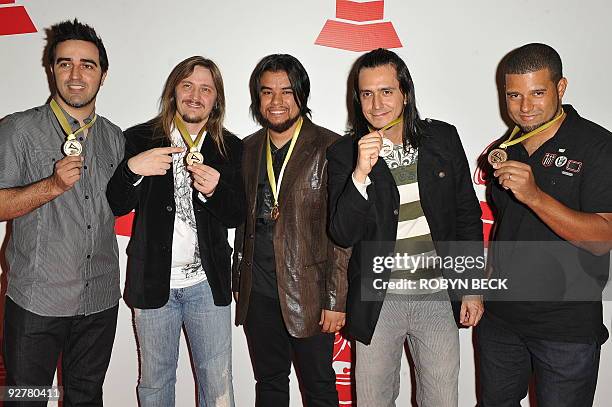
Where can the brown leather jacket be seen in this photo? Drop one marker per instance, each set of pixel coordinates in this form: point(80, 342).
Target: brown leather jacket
point(310, 270)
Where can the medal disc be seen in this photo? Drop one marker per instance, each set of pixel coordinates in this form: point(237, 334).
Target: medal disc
point(275, 212)
point(497, 156)
point(387, 147)
point(194, 157)
point(72, 148)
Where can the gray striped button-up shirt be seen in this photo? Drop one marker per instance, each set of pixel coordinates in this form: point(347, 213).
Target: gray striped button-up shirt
point(63, 257)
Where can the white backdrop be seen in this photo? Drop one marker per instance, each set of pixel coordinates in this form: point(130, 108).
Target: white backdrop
point(452, 49)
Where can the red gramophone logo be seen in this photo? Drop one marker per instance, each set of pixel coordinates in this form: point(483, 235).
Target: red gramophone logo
point(359, 26)
point(14, 19)
point(342, 366)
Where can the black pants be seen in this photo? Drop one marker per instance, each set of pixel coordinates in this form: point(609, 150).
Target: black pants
point(271, 349)
point(565, 373)
point(33, 343)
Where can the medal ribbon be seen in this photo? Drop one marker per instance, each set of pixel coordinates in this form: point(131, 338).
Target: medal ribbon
point(271, 178)
point(61, 118)
point(511, 142)
point(388, 126)
point(193, 144)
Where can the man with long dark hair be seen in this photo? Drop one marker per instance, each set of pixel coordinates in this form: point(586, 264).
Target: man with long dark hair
point(289, 279)
point(181, 175)
point(402, 185)
point(63, 283)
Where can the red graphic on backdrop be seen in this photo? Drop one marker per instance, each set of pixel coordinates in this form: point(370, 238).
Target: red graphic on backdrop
point(342, 366)
point(358, 26)
point(14, 19)
point(487, 221)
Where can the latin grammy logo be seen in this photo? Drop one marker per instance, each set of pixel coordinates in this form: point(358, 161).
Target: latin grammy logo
point(14, 19)
point(72, 147)
point(359, 26)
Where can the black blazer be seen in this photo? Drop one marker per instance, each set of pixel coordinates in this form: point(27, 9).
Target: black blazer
point(150, 248)
point(370, 226)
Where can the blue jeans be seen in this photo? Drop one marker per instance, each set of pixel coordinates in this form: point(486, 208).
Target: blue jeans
point(208, 328)
point(565, 373)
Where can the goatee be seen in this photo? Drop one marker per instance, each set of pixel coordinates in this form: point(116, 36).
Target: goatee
point(279, 127)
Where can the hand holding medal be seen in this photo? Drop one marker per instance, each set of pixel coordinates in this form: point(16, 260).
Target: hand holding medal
point(371, 147)
point(66, 173)
point(205, 178)
point(387, 145)
point(514, 175)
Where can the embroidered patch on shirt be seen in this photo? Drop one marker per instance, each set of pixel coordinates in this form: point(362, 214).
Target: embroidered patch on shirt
point(549, 159)
point(574, 166)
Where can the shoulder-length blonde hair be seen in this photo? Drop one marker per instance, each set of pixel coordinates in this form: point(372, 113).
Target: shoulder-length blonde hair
point(164, 122)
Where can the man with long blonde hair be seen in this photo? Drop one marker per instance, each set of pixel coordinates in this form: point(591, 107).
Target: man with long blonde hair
point(181, 175)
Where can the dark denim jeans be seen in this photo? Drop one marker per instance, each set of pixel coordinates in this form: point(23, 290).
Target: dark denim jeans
point(565, 373)
point(33, 343)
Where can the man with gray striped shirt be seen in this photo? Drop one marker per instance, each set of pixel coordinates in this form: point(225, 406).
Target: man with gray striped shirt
point(63, 289)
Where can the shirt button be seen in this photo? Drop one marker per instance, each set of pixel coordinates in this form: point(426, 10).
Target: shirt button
point(441, 174)
point(251, 236)
point(88, 226)
point(86, 284)
point(89, 256)
point(396, 212)
point(169, 208)
point(86, 196)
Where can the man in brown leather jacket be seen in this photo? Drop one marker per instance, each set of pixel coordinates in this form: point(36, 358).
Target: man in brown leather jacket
point(289, 280)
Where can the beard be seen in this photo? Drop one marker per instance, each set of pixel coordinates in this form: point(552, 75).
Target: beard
point(78, 105)
point(193, 119)
point(279, 127)
point(528, 129)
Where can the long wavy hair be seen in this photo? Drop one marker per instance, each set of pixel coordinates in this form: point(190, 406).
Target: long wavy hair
point(164, 121)
point(358, 126)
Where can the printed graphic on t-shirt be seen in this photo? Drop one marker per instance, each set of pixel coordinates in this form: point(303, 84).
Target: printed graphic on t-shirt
point(184, 205)
point(400, 158)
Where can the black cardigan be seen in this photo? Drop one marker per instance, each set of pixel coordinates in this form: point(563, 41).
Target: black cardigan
point(150, 248)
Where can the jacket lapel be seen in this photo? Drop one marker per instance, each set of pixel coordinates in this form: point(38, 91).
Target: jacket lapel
point(251, 163)
point(297, 162)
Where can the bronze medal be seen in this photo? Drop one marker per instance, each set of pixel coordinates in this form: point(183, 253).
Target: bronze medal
point(497, 155)
point(194, 157)
point(72, 148)
point(275, 212)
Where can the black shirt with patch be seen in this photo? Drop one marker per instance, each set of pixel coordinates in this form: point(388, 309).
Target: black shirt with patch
point(554, 287)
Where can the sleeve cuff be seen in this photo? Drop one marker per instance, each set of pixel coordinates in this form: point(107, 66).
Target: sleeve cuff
point(130, 176)
point(362, 187)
